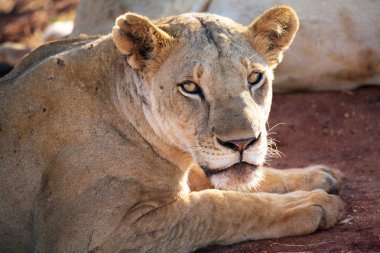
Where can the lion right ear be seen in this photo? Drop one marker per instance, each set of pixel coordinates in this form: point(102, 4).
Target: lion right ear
point(138, 38)
point(272, 33)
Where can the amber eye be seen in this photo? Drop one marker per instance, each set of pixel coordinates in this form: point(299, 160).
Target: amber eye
point(189, 88)
point(255, 79)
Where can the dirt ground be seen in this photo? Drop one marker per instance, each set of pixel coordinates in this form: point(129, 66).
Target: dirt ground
point(340, 129)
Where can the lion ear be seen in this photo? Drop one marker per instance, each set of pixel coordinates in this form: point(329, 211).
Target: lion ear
point(138, 38)
point(272, 33)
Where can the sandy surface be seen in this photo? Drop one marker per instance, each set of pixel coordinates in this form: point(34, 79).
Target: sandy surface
point(340, 129)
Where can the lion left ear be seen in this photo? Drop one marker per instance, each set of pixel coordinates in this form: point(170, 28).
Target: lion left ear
point(137, 37)
point(272, 33)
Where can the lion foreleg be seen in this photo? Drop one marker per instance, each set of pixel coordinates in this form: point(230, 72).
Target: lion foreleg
point(224, 217)
point(306, 179)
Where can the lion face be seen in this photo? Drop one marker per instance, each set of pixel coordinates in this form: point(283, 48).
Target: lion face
point(215, 105)
point(208, 87)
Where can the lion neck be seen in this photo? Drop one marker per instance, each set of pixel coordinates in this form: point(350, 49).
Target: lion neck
point(132, 101)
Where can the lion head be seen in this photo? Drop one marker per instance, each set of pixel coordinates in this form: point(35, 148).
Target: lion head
point(207, 84)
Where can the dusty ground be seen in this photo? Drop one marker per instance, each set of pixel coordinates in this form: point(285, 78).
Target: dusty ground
point(340, 129)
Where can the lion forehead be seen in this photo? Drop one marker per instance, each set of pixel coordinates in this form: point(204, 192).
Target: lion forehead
point(198, 27)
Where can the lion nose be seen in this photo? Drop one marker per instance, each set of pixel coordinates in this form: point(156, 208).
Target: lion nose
point(239, 145)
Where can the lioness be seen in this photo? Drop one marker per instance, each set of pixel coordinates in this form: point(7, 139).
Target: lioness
point(97, 136)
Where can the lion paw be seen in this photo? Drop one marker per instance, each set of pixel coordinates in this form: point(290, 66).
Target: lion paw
point(331, 207)
point(308, 211)
point(325, 178)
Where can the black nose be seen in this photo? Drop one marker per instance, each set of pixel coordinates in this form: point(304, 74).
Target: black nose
point(239, 145)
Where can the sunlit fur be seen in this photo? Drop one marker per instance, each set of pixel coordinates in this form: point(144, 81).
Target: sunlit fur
point(97, 141)
point(221, 60)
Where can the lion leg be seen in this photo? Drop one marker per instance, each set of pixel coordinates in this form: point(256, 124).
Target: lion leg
point(223, 217)
point(306, 179)
point(282, 181)
point(197, 179)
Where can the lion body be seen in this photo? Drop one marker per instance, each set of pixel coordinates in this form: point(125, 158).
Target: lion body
point(49, 122)
point(86, 168)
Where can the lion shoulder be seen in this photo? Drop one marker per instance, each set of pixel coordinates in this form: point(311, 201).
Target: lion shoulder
point(45, 51)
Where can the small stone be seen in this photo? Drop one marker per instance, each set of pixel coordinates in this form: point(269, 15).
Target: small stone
point(347, 92)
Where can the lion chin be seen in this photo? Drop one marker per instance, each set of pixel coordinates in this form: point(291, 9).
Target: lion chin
point(239, 177)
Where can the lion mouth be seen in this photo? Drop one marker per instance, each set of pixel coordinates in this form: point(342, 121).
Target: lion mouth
point(241, 176)
point(241, 168)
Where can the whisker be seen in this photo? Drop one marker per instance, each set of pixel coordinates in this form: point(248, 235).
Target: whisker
point(278, 124)
point(272, 151)
point(273, 141)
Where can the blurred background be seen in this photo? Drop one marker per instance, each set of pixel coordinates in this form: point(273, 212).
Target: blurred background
point(27, 24)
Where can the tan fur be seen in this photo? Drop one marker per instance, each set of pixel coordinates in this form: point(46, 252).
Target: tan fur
point(97, 140)
point(273, 32)
point(139, 38)
point(281, 181)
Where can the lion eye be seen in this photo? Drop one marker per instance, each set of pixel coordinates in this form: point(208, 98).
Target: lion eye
point(190, 88)
point(255, 79)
